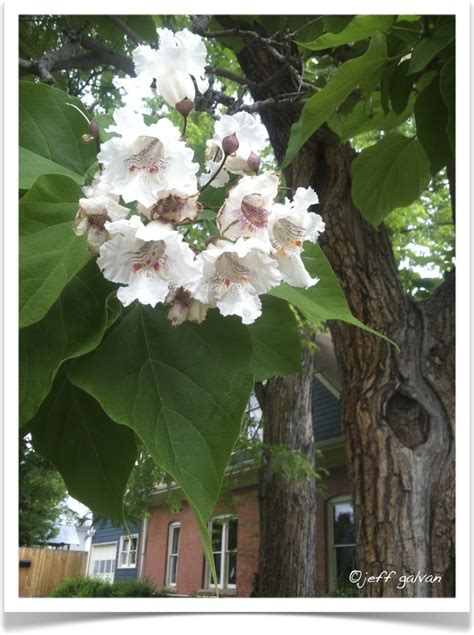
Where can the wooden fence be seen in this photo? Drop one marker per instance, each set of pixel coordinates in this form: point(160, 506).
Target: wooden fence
point(48, 568)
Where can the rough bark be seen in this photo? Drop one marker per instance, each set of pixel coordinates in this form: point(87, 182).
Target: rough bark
point(397, 408)
point(287, 506)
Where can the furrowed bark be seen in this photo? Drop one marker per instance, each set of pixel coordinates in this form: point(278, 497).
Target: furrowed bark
point(287, 506)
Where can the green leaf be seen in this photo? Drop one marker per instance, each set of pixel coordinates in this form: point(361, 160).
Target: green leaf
point(324, 103)
point(431, 116)
point(388, 175)
point(360, 28)
point(50, 253)
point(33, 165)
point(73, 326)
point(430, 46)
point(50, 135)
point(400, 87)
point(182, 391)
point(447, 87)
point(52, 199)
point(325, 300)
point(276, 340)
point(93, 454)
point(367, 115)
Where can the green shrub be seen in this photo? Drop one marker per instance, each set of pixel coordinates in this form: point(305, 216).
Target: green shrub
point(81, 587)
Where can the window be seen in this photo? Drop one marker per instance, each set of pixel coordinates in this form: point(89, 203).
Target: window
point(128, 551)
point(173, 550)
point(340, 540)
point(224, 549)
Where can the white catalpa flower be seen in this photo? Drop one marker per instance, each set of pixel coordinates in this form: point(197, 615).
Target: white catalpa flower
point(234, 275)
point(246, 210)
point(146, 160)
point(98, 206)
point(180, 57)
point(251, 137)
point(173, 207)
point(289, 226)
point(149, 259)
point(185, 308)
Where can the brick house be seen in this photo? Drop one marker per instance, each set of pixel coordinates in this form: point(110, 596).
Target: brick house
point(173, 555)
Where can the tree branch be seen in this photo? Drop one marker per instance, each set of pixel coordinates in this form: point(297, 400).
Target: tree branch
point(123, 26)
point(67, 58)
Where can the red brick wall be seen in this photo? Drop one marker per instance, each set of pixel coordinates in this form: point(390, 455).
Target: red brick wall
point(190, 575)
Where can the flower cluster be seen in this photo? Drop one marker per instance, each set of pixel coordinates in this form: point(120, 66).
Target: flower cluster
point(143, 247)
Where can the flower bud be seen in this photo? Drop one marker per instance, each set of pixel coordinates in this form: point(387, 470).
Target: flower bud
point(185, 106)
point(230, 144)
point(254, 162)
point(94, 129)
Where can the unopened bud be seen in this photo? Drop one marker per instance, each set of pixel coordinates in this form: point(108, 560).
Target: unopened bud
point(185, 106)
point(94, 129)
point(254, 162)
point(230, 144)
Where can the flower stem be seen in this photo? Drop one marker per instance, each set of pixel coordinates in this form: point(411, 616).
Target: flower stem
point(185, 123)
point(215, 174)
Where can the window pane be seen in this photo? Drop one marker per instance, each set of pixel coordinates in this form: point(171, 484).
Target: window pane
point(125, 545)
point(96, 566)
point(232, 568)
point(345, 561)
point(343, 524)
point(232, 535)
point(101, 566)
point(217, 563)
point(108, 566)
point(174, 540)
point(173, 568)
point(216, 536)
point(133, 558)
point(134, 544)
point(123, 559)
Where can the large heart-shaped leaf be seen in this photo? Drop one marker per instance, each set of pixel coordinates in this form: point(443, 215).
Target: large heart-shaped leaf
point(73, 326)
point(324, 103)
point(388, 175)
point(325, 300)
point(183, 392)
point(50, 253)
point(50, 135)
point(93, 454)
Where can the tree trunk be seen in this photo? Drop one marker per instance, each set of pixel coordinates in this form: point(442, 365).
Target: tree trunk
point(397, 408)
point(287, 506)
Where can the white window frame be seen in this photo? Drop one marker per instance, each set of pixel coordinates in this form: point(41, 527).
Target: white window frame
point(172, 528)
point(331, 547)
point(129, 551)
point(224, 570)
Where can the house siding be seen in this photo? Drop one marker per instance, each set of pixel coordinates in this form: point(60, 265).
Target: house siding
point(326, 411)
point(105, 532)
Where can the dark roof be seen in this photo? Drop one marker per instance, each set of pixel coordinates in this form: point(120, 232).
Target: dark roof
point(326, 411)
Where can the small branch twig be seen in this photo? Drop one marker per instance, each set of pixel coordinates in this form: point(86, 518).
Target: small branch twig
point(123, 26)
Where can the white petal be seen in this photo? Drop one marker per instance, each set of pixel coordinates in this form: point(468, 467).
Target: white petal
point(147, 287)
point(294, 271)
point(240, 302)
